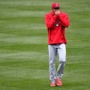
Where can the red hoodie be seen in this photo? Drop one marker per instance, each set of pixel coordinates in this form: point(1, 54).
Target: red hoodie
point(56, 27)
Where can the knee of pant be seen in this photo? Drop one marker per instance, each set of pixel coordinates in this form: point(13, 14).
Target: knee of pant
point(51, 61)
point(62, 62)
point(62, 59)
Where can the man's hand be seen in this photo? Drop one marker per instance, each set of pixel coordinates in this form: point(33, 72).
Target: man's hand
point(57, 12)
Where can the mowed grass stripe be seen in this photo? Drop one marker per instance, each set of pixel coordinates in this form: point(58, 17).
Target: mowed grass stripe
point(25, 3)
point(24, 55)
point(15, 13)
point(24, 26)
point(28, 40)
point(12, 88)
point(23, 73)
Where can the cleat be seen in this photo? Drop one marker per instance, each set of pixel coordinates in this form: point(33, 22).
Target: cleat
point(58, 82)
point(53, 84)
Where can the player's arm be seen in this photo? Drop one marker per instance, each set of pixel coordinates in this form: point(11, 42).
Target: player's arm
point(50, 20)
point(64, 19)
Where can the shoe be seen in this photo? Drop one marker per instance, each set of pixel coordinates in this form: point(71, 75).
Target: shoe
point(58, 82)
point(53, 84)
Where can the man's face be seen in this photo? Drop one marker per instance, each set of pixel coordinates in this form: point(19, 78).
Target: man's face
point(56, 11)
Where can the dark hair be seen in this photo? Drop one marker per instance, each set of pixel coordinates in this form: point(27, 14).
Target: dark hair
point(56, 8)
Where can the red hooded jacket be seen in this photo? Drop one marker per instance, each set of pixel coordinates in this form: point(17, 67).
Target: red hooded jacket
point(56, 27)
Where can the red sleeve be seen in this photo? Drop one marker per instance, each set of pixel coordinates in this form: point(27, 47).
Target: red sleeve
point(50, 20)
point(64, 19)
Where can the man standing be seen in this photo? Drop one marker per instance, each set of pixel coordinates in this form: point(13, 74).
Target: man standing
point(56, 22)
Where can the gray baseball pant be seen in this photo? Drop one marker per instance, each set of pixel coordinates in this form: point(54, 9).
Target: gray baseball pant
point(53, 50)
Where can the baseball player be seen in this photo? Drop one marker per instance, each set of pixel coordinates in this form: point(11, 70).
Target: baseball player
point(56, 23)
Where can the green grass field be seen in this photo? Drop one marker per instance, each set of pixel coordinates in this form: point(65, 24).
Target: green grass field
point(23, 45)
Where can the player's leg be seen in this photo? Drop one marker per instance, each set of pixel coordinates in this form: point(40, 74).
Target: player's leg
point(62, 59)
point(52, 69)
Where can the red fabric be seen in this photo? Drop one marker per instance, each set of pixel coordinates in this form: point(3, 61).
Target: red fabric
point(54, 5)
point(56, 27)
